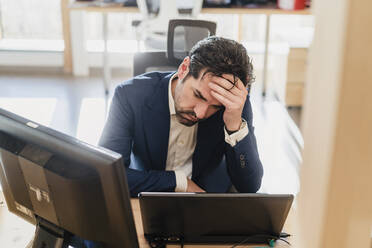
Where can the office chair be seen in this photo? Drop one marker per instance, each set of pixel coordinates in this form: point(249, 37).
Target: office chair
point(155, 17)
point(183, 34)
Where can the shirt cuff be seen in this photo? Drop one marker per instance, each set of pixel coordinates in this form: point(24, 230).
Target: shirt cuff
point(238, 135)
point(181, 181)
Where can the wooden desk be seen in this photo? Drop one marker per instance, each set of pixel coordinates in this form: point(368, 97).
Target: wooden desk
point(230, 11)
point(17, 233)
point(87, 7)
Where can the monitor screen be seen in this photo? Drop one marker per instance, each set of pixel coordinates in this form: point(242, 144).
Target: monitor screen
point(64, 186)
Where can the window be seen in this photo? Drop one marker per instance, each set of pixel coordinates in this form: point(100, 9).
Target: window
point(31, 25)
point(31, 19)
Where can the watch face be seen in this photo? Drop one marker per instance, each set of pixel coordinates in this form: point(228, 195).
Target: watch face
point(244, 123)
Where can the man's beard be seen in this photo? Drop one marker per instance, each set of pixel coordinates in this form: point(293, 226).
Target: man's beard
point(187, 117)
point(181, 117)
point(181, 114)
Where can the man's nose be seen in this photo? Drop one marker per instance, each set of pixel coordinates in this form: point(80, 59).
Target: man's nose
point(201, 110)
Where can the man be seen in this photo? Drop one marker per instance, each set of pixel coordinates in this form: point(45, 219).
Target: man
point(190, 130)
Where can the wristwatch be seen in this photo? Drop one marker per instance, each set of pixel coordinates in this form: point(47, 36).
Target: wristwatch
point(242, 125)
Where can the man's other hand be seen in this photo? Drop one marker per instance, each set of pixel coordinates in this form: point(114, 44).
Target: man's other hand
point(193, 187)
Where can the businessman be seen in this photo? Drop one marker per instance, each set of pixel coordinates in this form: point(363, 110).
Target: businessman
point(189, 130)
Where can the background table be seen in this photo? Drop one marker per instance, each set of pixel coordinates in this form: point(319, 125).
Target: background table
point(88, 7)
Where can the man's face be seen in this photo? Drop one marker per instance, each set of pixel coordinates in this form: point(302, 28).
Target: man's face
point(193, 100)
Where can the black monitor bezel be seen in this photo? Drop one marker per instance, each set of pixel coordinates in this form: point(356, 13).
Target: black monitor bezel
point(108, 164)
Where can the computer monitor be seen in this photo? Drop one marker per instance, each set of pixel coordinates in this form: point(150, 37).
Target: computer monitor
point(213, 218)
point(64, 186)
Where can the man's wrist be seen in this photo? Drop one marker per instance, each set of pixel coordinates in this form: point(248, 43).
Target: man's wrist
point(234, 128)
point(237, 136)
point(231, 132)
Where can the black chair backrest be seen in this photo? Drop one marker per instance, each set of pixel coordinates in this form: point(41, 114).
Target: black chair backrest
point(183, 34)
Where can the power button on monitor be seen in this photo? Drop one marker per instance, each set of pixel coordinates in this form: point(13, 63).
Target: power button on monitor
point(31, 124)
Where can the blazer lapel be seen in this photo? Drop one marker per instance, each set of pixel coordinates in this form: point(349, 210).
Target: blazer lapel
point(157, 124)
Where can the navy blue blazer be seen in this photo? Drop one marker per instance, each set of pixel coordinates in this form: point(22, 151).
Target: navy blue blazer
point(138, 128)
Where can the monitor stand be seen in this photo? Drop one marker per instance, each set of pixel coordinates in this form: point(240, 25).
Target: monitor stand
point(48, 235)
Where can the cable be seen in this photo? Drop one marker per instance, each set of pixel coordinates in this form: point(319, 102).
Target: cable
point(284, 235)
point(270, 239)
point(160, 242)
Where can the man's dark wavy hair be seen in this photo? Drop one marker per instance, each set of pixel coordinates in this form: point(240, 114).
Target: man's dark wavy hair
point(221, 56)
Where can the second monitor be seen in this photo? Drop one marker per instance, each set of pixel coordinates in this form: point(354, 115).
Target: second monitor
point(64, 186)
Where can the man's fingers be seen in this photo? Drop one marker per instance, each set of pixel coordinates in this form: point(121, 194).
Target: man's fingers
point(231, 79)
point(222, 99)
point(238, 83)
point(193, 187)
point(231, 95)
point(226, 86)
point(234, 94)
point(223, 82)
point(229, 82)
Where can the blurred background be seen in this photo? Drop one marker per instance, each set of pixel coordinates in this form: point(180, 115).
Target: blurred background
point(60, 61)
point(35, 81)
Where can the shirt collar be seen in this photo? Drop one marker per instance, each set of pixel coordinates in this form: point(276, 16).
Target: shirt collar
point(172, 108)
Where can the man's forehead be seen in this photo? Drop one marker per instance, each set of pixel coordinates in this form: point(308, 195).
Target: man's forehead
point(205, 77)
point(202, 82)
point(206, 74)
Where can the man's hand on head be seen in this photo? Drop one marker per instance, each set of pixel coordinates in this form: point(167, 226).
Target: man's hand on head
point(231, 92)
point(193, 187)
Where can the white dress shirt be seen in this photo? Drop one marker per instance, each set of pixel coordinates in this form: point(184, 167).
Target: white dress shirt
point(182, 142)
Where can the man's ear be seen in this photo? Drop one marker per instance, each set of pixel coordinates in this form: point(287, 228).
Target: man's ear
point(183, 69)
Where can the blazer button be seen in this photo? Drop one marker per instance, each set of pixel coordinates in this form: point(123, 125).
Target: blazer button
point(242, 164)
point(241, 157)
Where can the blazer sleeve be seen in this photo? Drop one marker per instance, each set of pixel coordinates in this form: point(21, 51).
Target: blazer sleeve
point(243, 162)
point(117, 136)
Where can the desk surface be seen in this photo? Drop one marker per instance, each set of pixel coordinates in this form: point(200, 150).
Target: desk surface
point(16, 232)
point(233, 10)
